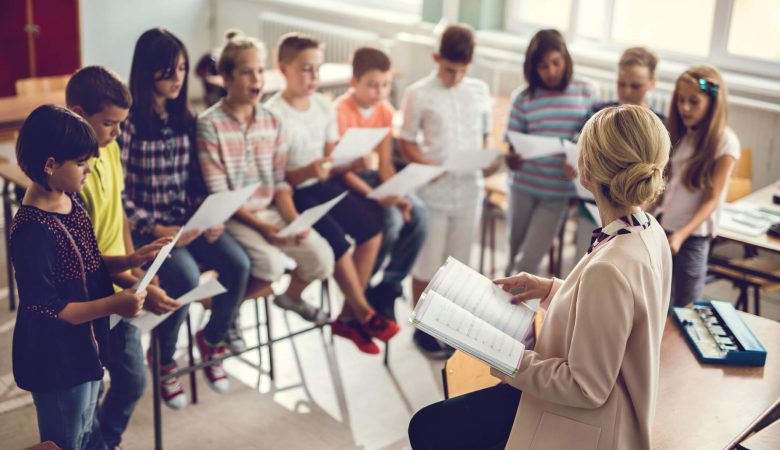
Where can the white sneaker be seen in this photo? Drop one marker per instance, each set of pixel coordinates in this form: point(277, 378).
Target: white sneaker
point(305, 310)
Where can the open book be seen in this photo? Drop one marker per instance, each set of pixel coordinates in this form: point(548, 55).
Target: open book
point(467, 311)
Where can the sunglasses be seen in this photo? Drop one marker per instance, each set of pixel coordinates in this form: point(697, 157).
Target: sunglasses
point(708, 87)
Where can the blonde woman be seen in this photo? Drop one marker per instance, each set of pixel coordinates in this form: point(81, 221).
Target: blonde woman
point(592, 379)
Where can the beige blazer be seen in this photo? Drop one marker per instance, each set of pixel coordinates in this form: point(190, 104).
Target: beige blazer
point(591, 381)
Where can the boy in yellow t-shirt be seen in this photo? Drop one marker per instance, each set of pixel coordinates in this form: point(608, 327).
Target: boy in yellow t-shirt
point(102, 99)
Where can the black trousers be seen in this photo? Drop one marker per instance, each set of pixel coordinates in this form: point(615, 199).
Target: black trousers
point(475, 421)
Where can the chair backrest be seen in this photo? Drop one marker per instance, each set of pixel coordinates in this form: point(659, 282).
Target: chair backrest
point(38, 85)
point(741, 182)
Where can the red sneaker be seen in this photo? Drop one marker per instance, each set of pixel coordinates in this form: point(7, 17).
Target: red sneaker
point(380, 327)
point(355, 333)
point(215, 373)
point(170, 390)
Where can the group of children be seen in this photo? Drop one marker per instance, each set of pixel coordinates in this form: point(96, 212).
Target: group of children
point(143, 163)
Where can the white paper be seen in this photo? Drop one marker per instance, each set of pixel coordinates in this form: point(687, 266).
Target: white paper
point(470, 161)
point(218, 208)
point(113, 319)
point(148, 320)
point(356, 143)
point(745, 219)
point(308, 218)
point(531, 146)
point(594, 212)
point(407, 180)
point(157, 263)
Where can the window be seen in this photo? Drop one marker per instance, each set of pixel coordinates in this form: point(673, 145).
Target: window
point(737, 35)
point(688, 30)
point(755, 29)
point(546, 14)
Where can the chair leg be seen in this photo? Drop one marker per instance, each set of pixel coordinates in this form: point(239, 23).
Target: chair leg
point(268, 335)
point(157, 401)
point(387, 353)
point(492, 230)
point(259, 338)
point(191, 357)
point(742, 300)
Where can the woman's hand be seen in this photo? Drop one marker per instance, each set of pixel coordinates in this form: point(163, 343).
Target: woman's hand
point(676, 240)
point(128, 303)
point(525, 286)
point(158, 302)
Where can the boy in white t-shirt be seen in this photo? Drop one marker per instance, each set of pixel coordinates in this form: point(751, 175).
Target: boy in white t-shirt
point(311, 132)
point(453, 113)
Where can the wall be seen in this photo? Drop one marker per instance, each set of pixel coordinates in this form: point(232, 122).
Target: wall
point(109, 29)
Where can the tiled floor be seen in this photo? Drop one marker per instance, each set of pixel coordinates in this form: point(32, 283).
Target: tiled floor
point(325, 396)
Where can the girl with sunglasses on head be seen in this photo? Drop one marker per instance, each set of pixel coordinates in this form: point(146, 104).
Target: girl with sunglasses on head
point(703, 156)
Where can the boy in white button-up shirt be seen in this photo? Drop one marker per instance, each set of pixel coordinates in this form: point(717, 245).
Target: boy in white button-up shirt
point(453, 113)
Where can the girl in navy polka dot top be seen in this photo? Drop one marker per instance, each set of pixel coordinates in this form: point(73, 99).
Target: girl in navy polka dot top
point(65, 291)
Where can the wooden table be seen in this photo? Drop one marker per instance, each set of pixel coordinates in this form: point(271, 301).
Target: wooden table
point(13, 110)
point(766, 439)
point(763, 199)
point(700, 406)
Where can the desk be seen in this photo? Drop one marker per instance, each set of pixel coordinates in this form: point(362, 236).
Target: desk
point(762, 198)
point(699, 405)
point(712, 406)
point(13, 110)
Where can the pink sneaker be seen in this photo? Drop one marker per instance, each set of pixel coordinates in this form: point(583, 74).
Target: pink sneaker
point(215, 373)
point(170, 390)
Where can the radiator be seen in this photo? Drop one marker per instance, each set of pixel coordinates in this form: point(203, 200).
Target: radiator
point(339, 42)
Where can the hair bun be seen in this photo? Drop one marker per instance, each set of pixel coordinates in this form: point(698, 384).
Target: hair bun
point(233, 33)
point(638, 184)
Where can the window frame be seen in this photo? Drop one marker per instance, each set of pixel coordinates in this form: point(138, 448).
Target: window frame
point(718, 53)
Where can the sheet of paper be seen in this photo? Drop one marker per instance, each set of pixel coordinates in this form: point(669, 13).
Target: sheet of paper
point(157, 263)
point(460, 328)
point(477, 294)
point(594, 212)
point(210, 288)
point(745, 219)
point(407, 180)
point(356, 143)
point(308, 218)
point(219, 207)
point(531, 147)
point(470, 161)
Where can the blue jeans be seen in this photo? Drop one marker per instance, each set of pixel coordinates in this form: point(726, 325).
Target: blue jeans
point(689, 270)
point(401, 241)
point(180, 274)
point(67, 417)
point(128, 382)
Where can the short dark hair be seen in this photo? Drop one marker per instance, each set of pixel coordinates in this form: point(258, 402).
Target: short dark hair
point(96, 87)
point(457, 44)
point(53, 132)
point(546, 41)
point(369, 58)
point(293, 43)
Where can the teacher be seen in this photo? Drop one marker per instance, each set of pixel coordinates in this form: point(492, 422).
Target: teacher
point(592, 379)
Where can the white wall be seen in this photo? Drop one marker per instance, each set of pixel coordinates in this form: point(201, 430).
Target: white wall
point(109, 29)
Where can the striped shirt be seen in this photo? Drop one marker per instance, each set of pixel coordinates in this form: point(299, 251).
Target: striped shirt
point(548, 113)
point(160, 179)
point(234, 155)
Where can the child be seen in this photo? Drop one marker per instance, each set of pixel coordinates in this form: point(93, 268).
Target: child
point(99, 96)
point(239, 143)
point(453, 113)
point(635, 78)
point(162, 190)
point(405, 218)
point(310, 132)
point(552, 104)
point(61, 334)
point(704, 154)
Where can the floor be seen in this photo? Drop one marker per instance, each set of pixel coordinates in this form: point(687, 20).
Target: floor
point(325, 395)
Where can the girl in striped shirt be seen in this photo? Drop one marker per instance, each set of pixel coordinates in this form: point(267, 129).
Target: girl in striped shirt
point(552, 104)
